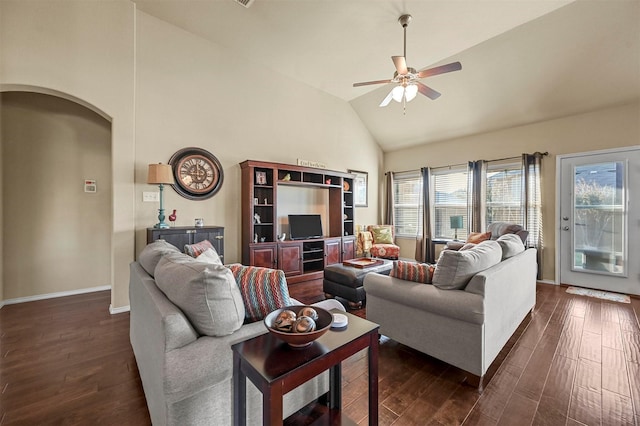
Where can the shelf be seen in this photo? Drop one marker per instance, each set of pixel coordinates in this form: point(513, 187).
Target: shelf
point(263, 224)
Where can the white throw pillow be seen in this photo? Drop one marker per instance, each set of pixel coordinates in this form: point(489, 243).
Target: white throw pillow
point(153, 252)
point(210, 255)
point(207, 294)
point(455, 269)
point(511, 245)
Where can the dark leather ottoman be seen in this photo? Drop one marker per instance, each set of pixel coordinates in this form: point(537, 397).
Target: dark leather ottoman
point(346, 281)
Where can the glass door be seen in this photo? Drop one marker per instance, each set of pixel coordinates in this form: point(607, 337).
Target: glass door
point(599, 221)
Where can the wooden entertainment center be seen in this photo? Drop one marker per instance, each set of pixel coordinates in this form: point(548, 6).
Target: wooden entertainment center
point(301, 260)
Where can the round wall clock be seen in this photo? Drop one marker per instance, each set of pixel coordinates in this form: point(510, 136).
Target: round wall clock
point(197, 172)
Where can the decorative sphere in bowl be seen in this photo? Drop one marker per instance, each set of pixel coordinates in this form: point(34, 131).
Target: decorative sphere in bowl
point(300, 339)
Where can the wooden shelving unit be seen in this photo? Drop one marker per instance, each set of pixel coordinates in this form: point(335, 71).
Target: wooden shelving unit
point(300, 260)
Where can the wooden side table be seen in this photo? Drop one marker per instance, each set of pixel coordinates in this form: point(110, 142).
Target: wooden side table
point(262, 360)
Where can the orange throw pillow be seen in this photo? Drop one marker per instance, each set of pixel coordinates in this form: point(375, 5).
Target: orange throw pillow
point(478, 237)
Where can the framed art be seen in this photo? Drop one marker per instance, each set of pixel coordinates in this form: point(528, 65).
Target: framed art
point(360, 188)
point(261, 178)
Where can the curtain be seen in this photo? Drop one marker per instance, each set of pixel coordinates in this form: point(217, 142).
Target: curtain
point(476, 195)
point(424, 248)
point(531, 165)
point(388, 211)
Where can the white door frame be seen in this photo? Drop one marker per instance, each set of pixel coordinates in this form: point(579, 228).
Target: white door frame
point(557, 221)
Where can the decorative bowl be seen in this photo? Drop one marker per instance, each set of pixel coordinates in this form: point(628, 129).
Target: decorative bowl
point(300, 340)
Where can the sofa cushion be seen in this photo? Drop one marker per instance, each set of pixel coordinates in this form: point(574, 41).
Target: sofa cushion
point(478, 237)
point(498, 229)
point(382, 234)
point(412, 271)
point(207, 294)
point(456, 268)
point(210, 255)
point(195, 250)
point(385, 251)
point(153, 252)
point(263, 290)
point(511, 245)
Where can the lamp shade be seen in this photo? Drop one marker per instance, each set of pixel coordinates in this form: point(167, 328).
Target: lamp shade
point(160, 173)
point(456, 222)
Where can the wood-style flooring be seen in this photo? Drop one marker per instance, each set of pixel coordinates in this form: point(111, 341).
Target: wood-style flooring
point(575, 360)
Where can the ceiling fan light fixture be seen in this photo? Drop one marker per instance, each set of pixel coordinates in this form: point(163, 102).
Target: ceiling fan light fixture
point(397, 93)
point(410, 92)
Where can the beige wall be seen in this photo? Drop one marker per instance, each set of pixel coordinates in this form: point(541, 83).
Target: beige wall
point(167, 90)
point(191, 92)
point(56, 237)
point(604, 129)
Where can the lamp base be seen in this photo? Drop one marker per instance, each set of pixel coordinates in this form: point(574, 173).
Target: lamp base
point(161, 225)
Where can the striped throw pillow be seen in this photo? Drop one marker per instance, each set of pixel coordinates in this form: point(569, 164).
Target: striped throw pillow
point(195, 250)
point(263, 290)
point(412, 271)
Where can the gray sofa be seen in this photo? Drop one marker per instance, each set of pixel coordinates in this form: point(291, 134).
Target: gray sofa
point(187, 377)
point(466, 326)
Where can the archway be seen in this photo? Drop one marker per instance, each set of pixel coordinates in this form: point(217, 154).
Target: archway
point(56, 237)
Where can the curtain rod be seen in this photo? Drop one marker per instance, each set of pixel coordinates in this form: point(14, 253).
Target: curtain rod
point(544, 154)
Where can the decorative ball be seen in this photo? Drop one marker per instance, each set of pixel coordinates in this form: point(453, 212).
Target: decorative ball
point(285, 319)
point(303, 325)
point(308, 311)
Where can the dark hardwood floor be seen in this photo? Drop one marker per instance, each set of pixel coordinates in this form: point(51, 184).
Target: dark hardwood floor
point(575, 360)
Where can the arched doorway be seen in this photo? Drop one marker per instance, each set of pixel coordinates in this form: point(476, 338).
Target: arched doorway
point(56, 237)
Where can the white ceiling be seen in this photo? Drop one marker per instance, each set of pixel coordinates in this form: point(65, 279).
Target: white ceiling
point(522, 61)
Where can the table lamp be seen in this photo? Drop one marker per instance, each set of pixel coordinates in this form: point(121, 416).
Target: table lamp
point(456, 223)
point(160, 174)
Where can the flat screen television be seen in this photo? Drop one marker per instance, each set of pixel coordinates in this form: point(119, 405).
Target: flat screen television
point(305, 226)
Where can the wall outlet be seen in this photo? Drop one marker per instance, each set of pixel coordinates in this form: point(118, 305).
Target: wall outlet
point(150, 197)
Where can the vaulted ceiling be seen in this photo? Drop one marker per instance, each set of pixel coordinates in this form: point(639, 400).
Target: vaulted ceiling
point(523, 61)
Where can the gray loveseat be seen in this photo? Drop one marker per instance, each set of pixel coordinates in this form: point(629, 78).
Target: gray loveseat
point(186, 376)
point(466, 326)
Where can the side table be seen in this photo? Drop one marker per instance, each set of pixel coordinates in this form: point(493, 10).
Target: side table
point(260, 359)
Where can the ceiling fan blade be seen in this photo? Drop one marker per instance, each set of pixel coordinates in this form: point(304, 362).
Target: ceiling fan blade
point(427, 91)
point(386, 100)
point(401, 64)
point(454, 66)
point(367, 83)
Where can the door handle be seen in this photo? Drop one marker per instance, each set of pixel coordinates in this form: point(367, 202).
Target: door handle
point(565, 228)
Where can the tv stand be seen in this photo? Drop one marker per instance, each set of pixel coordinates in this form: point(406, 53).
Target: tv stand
point(302, 261)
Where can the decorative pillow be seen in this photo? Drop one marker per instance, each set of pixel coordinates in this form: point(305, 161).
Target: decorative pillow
point(456, 268)
point(195, 250)
point(210, 255)
point(207, 294)
point(382, 234)
point(501, 228)
point(478, 237)
point(511, 245)
point(412, 271)
point(153, 252)
point(263, 290)
point(468, 246)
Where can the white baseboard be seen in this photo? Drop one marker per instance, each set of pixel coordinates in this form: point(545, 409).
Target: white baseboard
point(54, 295)
point(119, 310)
point(548, 282)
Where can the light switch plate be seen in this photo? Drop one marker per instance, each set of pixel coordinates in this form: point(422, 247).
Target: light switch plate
point(150, 197)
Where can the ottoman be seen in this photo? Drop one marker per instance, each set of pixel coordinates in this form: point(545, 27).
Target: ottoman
point(346, 281)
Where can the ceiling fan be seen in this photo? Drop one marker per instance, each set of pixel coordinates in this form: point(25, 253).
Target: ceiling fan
point(407, 78)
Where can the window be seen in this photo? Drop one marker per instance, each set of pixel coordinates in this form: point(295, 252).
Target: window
point(407, 208)
point(450, 199)
point(504, 200)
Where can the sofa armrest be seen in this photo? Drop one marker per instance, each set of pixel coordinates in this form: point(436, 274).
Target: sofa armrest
point(454, 245)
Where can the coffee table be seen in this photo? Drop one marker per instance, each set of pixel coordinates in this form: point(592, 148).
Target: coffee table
point(276, 368)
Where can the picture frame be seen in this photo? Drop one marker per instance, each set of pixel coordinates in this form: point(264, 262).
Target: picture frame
point(360, 188)
point(261, 178)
